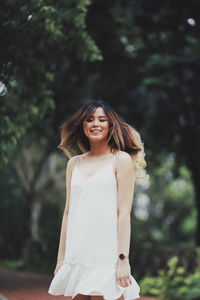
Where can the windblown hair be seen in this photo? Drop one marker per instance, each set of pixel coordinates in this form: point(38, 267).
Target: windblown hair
point(122, 136)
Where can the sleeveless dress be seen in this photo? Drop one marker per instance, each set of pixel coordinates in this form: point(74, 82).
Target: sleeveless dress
point(91, 254)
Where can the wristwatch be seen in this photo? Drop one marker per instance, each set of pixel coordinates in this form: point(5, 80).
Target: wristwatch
point(122, 256)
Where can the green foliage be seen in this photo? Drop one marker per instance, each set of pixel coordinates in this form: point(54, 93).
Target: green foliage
point(37, 39)
point(18, 116)
point(173, 284)
point(169, 215)
point(12, 264)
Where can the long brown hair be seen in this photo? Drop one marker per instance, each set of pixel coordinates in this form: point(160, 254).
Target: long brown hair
point(121, 136)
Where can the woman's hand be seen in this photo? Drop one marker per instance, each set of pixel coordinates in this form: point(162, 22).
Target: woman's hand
point(58, 266)
point(124, 273)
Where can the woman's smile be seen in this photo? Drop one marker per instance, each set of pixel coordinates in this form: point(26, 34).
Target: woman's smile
point(95, 131)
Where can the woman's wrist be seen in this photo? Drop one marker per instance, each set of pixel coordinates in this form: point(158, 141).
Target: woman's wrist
point(123, 261)
point(123, 257)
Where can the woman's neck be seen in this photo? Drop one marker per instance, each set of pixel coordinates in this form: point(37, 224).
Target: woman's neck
point(99, 150)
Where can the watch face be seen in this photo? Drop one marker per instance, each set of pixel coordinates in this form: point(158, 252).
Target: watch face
point(121, 256)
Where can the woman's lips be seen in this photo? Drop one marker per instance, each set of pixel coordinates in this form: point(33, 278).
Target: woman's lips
point(95, 132)
point(92, 130)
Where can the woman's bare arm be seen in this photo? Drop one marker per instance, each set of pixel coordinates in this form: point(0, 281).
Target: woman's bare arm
point(62, 243)
point(126, 176)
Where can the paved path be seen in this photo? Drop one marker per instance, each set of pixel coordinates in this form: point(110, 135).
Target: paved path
point(16, 285)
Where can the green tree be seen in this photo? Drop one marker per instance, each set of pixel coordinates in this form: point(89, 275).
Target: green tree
point(37, 39)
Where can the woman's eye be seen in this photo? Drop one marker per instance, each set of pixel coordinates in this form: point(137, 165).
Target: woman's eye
point(101, 120)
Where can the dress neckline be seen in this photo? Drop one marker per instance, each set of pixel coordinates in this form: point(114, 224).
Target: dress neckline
point(95, 173)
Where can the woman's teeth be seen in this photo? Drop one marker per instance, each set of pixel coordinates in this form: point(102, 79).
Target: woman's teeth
point(95, 130)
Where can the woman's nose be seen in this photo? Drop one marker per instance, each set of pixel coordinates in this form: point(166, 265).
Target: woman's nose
point(96, 122)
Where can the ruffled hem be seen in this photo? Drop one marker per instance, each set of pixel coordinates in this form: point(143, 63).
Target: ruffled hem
point(100, 280)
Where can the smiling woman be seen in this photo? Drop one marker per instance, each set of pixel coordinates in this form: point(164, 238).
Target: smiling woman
point(96, 124)
point(93, 254)
point(99, 115)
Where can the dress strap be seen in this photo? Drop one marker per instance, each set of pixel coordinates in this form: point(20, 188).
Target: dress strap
point(77, 161)
point(114, 157)
point(115, 154)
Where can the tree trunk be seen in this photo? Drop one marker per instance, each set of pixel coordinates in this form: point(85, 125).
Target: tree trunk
point(34, 219)
point(28, 181)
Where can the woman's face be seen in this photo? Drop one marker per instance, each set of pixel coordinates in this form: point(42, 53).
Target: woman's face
point(96, 127)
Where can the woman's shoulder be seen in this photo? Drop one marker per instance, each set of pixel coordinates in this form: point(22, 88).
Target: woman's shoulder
point(123, 156)
point(124, 163)
point(72, 161)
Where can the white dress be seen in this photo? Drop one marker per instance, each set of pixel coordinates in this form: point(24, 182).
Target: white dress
point(91, 254)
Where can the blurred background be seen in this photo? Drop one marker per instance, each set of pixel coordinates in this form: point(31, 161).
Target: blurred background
point(143, 58)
